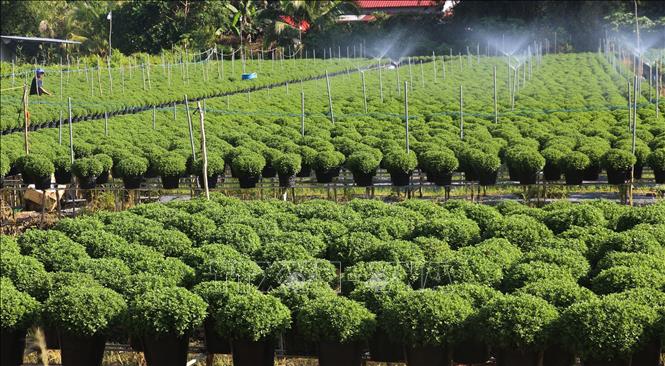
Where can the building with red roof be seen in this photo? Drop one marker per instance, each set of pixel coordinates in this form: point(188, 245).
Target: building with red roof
point(366, 8)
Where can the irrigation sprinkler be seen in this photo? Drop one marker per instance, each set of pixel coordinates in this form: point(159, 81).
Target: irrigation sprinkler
point(302, 113)
point(330, 103)
point(71, 130)
point(461, 113)
point(496, 111)
point(362, 76)
point(191, 131)
point(406, 114)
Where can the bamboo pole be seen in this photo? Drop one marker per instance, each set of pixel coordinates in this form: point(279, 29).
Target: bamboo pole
point(302, 113)
point(204, 151)
point(71, 131)
point(191, 130)
point(496, 110)
point(461, 112)
point(26, 120)
point(406, 115)
point(330, 103)
point(362, 75)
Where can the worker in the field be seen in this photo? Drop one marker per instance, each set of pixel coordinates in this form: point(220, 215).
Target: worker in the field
point(36, 87)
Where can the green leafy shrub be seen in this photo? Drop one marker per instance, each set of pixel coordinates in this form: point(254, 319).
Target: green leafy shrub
point(335, 319)
point(241, 237)
point(328, 160)
point(105, 160)
point(84, 310)
point(578, 215)
point(522, 322)
point(524, 231)
point(248, 164)
point(215, 166)
point(575, 162)
point(74, 228)
point(26, 273)
point(363, 162)
point(18, 310)
point(427, 317)
point(314, 245)
point(218, 261)
point(618, 160)
point(288, 164)
point(62, 164)
point(521, 274)
point(37, 166)
point(439, 161)
point(251, 316)
point(560, 293)
point(131, 166)
point(110, 272)
point(171, 243)
point(60, 255)
point(402, 252)
point(605, 329)
point(351, 248)
point(570, 259)
point(524, 161)
point(287, 271)
point(621, 278)
point(99, 243)
point(171, 165)
point(8, 245)
point(482, 163)
point(5, 166)
point(650, 214)
point(87, 167)
point(276, 251)
point(456, 231)
point(466, 265)
point(166, 310)
point(376, 273)
point(400, 162)
point(296, 294)
point(656, 160)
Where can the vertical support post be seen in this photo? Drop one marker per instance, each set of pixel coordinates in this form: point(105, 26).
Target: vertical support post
point(496, 111)
point(406, 114)
point(658, 86)
point(302, 113)
point(422, 74)
point(106, 123)
point(26, 119)
point(204, 151)
point(60, 129)
point(443, 67)
point(175, 112)
point(434, 66)
point(330, 103)
point(191, 130)
point(381, 83)
point(410, 74)
point(60, 81)
point(110, 79)
point(362, 76)
point(154, 110)
point(461, 113)
point(71, 130)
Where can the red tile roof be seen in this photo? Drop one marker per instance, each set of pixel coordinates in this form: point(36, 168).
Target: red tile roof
point(378, 4)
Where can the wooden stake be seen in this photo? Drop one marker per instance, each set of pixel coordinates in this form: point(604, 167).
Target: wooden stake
point(106, 123)
point(362, 74)
point(380, 83)
point(26, 120)
point(461, 113)
point(406, 115)
point(71, 131)
point(154, 110)
point(302, 113)
point(191, 130)
point(60, 129)
point(330, 103)
point(204, 151)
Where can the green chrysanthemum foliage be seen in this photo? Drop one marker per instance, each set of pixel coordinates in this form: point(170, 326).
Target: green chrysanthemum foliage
point(217, 293)
point(139, 283)
point(656, 160)
point(166, 310)
point(335, 319)
point(456, 231)
point(363, 162)
point(275, 251)
point(171, 165)
point(84, 310)
point(99, 243)
point(654, 261)
point(87, 167)
point(171, 243)
point(574, 162)
point(636, 240)
point(8, 245)
point(570, 259)
point(607, 328)
point(241, 237)
point(251, 316)
point(105, 160)
point(621, 278)
point(215, 166)
point(74, 228)
point(314, 245)
point(560, 293)
point(466, 265)
point(37, 166)
point(110, 272)
point(378, 297)
point(351, 248)
point(400, 162)
point(521, 274)
point(287, 164)
point(439, 161)
point(485, 216)
point(26, 273)
point(60, 255)
point(377, 272)
point(524, 160)
point(650, 214)
point(5, 166)
point(296, 294)
point(327, 160)
point(62, 164)
point(618, 160)
point(483, 163)
point(288, 271)
point(476, 295)
point(131, 166)
point(18, 310)
point(578, 215)
point(521, 321)
point(248, 164)
point(427, 318)
point(524, 231)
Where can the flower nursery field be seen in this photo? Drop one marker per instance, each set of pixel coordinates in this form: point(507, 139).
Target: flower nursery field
point(416, 279)
point(570, 123)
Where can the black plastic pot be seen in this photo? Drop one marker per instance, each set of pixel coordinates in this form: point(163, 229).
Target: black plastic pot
point(512, 174)
point(215, 343)
point(63, 177)
point(527, 179)
point(27, 179)
point(170, 182)
point(287, 181)
point(51, 337)
point(470, 176)
point(104, 177)
point(249, 353)
point(638, 171)
point(471, 351)
point(488, 179)
point(295, 344)
point(515, 357)
point(592, 173)
point(87, 182)
point(551, 173)
point(326, 176)
point(165, 349)
point(593, 362)
point(659, 175)
point(132, 182)
point(268, 172)
point(12, 346)
point(248, 181)
point(557, 356)
point(427, 356)
point(336, 354)
point(363, 180)
point(305, 171)
point(212, 181)
point(43, 182)
point(440, 179)
point(381, 349)
point(79, 350)
point(400, 179)
point(649, 354)
point(617, 176)
point(574, 177)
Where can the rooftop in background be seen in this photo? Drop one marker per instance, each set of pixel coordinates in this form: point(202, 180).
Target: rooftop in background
point(368, 7)
point(8, 39)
